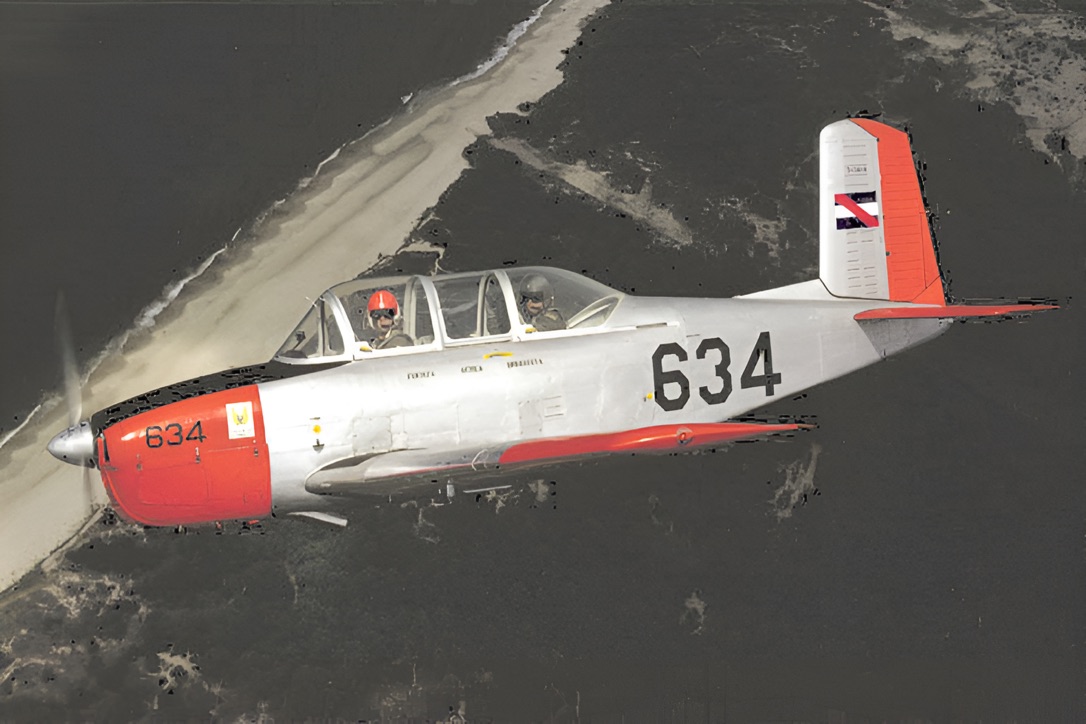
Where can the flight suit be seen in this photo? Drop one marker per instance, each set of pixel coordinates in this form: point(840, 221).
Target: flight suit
point(395, 338)
point(549, 320)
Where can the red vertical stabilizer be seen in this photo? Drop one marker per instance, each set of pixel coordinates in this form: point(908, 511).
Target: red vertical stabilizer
point(911, 269)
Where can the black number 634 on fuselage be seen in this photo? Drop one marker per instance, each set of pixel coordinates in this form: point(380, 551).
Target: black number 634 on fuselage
point(763, 350)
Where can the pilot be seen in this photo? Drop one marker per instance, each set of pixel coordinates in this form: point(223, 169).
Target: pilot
point(537, 304)
point(384, 314)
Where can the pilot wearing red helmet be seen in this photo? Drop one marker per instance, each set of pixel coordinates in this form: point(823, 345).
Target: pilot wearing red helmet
point(384, 318)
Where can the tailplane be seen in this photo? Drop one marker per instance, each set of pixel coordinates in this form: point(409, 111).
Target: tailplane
point(874, 237)
point(875, 241)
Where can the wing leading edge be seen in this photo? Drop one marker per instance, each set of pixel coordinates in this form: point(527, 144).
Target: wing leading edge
point(382, 473)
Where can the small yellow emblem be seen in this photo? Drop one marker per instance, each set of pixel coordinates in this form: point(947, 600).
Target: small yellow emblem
point(239, 420)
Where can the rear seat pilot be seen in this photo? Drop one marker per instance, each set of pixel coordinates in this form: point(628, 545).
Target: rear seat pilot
point(536, 304)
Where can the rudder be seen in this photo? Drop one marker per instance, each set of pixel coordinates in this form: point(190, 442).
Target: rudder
point(874, 238)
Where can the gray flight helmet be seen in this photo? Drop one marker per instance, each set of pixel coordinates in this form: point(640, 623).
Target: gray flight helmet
point(536, 286)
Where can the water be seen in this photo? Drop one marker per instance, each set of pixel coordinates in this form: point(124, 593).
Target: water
point(135, 141)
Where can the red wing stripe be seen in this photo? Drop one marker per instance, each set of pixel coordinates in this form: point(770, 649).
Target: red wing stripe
point(865, 218)
point(659, 438)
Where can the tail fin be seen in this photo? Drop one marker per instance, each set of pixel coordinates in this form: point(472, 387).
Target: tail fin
point(874, 239)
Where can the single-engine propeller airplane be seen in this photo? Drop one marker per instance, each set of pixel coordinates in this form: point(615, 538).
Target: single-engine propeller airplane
point(392, 383)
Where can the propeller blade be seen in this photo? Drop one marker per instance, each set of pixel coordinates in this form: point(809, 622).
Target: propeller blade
point(88, 489)
point(73, 395)
point(73, 399)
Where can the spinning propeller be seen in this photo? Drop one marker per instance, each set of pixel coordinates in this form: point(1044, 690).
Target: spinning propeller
point(76, 444)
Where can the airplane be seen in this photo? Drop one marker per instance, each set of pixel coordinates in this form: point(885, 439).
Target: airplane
point(487, 373)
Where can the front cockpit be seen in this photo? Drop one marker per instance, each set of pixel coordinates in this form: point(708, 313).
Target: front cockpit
point(407, 314)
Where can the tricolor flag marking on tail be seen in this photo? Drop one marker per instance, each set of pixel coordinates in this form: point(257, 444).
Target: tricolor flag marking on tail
point(856, 210)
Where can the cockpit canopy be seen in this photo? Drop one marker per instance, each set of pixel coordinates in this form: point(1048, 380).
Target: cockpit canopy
point(446, 310)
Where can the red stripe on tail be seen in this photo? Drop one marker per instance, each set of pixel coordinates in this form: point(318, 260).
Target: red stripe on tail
point(911, 269)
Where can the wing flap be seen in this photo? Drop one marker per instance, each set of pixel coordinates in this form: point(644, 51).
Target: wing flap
point(392, 471)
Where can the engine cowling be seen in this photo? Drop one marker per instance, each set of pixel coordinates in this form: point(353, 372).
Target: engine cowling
point(196, 460)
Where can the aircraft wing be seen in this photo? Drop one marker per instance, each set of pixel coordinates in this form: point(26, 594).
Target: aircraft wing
point(389, 472)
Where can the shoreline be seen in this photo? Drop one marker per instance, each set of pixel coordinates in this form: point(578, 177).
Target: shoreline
point(171, 155)
point(397, 172)
point(252, 230)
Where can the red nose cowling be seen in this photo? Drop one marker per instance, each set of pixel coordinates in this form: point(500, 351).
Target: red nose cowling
point(197, 460)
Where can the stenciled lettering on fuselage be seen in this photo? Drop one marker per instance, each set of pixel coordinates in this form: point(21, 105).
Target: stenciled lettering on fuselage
point(524, 362)
point(716, 393)
point(420, 375)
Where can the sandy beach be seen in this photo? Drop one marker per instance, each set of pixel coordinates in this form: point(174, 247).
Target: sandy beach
point(363, 207)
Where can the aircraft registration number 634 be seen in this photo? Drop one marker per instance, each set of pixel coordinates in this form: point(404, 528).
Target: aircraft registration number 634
point(711, 345)
point(155, 437)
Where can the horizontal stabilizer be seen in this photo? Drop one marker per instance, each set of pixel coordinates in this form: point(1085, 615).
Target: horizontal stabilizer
point(370, 472)
point(954, 311)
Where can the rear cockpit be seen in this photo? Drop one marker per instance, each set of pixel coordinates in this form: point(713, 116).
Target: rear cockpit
point(408, 314)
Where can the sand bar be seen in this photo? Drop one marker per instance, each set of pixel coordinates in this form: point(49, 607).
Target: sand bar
point(337, 228)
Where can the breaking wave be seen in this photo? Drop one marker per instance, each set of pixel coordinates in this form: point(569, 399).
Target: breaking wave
point(146, 318)
point(504, 47)
point(4, 440)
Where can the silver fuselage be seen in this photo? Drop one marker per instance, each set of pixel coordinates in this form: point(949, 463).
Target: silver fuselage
point(530, 386)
